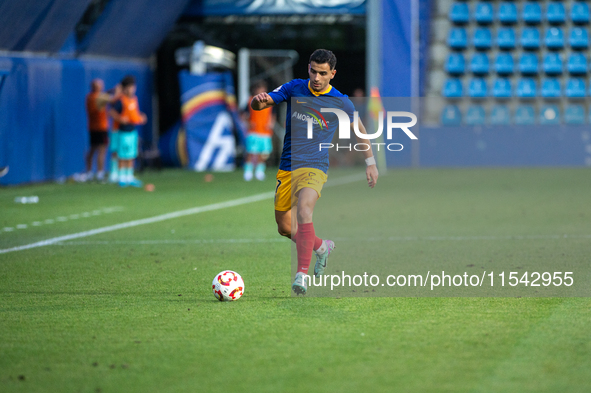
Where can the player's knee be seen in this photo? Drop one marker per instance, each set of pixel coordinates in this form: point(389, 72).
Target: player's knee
point(284, 229)
point(305, 214)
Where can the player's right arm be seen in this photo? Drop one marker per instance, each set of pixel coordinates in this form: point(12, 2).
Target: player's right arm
point(277, 96)
point(261, 101)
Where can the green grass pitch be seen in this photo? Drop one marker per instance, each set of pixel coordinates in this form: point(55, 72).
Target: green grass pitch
point(131, 310)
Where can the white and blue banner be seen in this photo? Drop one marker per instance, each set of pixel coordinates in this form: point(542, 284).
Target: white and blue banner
point(208, 109)
point(275, 7)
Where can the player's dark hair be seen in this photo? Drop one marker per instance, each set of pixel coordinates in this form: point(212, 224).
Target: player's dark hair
point(321, 56)
point(128, 80)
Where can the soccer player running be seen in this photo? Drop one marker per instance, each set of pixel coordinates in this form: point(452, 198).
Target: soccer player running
point(126, 113)
point(258, 140)
point(299, 183)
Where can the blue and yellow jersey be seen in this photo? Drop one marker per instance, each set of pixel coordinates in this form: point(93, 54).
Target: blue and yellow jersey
point(298, 150)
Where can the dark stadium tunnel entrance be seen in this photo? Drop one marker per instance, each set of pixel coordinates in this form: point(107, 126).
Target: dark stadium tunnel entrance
point(344, 35)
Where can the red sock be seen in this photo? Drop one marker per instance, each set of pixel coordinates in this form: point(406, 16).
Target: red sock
point(306, 237)
point(317, 241)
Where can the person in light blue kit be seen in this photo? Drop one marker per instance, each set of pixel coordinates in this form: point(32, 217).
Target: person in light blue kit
point(126, 113)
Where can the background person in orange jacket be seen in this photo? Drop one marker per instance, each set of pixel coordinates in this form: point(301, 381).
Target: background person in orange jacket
point(98, 127)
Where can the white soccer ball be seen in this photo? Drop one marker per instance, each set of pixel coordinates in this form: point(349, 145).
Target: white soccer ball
point(227, 286)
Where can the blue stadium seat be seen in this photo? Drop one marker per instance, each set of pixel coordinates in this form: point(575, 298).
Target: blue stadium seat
point(527, 88)
point(482, 38)
point(577, 64)
point(484, 13)
point(574, 114)
point(502, 88)
point(452, 88)
point(579, 39)
point(552, 64)
point(554, 38)
point(551, 88)
point(528, 64)
point(479, 65)
point(506, 38)
point(530, 38)
point(455, 64)
point(459, 13)
point(555, 13)
point(549, 114)
point(500, 115)
point(457, 38)
point(525, 115)
point(579, 13)
point(478, 88)
point(451, 116)
point(576, 88)
point(475, 115)
point(507, 13)
point(504, 64)
point(532, 13)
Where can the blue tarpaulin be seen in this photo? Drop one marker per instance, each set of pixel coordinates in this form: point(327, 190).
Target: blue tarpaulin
point(132, 28)
point(126, 28)
point(38, 25)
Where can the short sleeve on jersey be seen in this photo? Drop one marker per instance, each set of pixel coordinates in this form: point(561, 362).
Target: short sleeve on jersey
point(349, 108)
point(282, 93)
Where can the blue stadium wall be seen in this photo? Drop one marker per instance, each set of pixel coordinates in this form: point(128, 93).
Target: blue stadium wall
point(43, 123)
point(45, 74)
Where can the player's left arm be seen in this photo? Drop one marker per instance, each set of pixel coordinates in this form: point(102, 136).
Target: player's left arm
point(371, 171)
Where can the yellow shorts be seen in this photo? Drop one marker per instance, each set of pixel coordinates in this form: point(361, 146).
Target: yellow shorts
point(289, 185)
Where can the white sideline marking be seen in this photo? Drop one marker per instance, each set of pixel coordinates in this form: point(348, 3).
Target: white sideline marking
point(151, 220)
point(64, 218)
point(167, 216)
point(340, 239)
